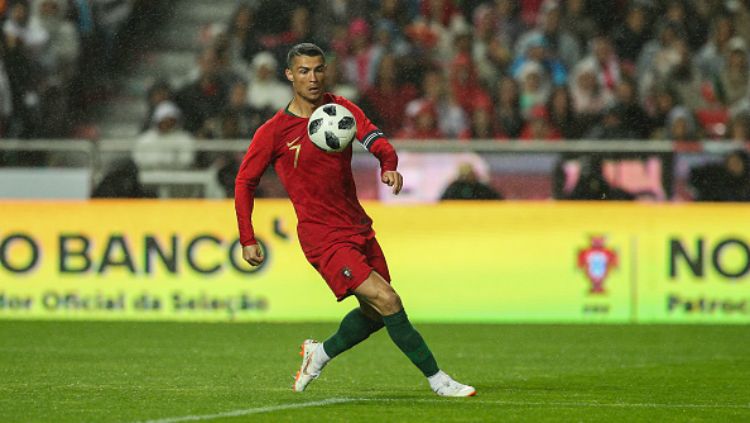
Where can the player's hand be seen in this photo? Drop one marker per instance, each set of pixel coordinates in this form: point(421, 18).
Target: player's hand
point(393, 179)
point(253, 254)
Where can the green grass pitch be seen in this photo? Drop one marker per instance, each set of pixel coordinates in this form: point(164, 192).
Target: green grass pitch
point(128, 372)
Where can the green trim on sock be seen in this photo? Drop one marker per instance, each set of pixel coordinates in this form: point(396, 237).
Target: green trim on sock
point(355, 327)
point(410, 342)
point(396, 318)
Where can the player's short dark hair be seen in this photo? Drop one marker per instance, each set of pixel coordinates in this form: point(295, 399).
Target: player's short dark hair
point(303, 49)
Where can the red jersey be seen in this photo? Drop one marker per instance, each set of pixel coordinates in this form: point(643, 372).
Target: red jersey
point(320, 184)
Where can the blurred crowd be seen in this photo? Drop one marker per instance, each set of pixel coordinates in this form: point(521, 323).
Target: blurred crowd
point(58, 59)
point(470, 69)
point(486, 69)
point(421, 69)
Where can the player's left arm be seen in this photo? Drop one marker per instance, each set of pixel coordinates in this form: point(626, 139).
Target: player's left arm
point(373, 139)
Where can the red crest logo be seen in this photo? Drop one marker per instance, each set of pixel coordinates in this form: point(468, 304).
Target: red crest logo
point(597, 261)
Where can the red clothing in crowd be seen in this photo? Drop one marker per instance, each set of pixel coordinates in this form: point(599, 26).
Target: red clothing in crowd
point(390, 105)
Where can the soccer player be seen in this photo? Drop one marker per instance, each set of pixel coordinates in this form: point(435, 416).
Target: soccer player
point(334, 231)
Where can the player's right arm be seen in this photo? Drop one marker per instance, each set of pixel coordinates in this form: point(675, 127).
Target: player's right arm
point(259, 155)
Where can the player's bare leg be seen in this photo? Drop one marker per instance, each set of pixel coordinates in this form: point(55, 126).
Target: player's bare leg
point(379, 294)
point(356, 326)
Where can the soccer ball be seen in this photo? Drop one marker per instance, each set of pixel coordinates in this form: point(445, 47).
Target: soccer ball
point(332, 127)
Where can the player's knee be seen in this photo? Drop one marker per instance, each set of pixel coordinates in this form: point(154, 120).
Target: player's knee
point(390, 302)
point(370, 312)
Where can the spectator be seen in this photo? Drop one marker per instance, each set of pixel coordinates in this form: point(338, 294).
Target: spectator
point(590, 97)
point(605, 61)
point(21, 29)
point(633, 115)
point(6, 100)
point(577, 20)
point(712, 57)
point(508, 110)
point(339, 42)
point(110, 17)
point(538, 127)
point(230, 64)
point(160, 91)
point(265, 91)
point(452, 120)
point(203, 98)
point(331, 15)
point(421, 123)
point(658, 56)
point(441, 12)
point(387, 41)
point(739, 128)
point(229, 68)
point(425, 39)
point(60, 56)
point(335, 83)
point(461, 37)
point(537, 51)
point(740, 11)
point(681, 125)
point(243, 33)
point(21, 47)
point(467, 186)
point(90, 81)
point(662, 101)
point(632, 34)
point(385, 102)
point(398, 12)
point(464, 82)
point(481, 121)
point(358, 64)
point(239, 120)
point(492, 61)
point(684, 78)
point(728, 181)
point(299, 31)
point(694, 27)
point(591, 184)
point(165, 145)
point(735, 77)
point(612, 125)
point(121, 182)
point(59, 65)
point(507, 25)
point(558, 41)
point(484, 34)
point(534, 87)
point(563, 117)
point(529, 11)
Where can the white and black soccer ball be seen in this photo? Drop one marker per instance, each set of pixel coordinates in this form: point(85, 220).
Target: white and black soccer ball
point(332, 127)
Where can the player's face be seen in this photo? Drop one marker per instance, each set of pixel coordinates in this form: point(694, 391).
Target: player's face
point(308, 77)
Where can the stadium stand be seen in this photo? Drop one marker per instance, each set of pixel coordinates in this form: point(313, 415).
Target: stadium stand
point(468, 70)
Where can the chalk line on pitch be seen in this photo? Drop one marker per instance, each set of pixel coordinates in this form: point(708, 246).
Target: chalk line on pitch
point(333, 401)
point(250, 411)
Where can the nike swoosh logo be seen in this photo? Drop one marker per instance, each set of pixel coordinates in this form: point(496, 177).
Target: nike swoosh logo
point(292, 142)
point(308, 361)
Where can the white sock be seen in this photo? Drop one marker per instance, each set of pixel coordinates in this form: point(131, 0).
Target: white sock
point(438, 379)
point(320, 357)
